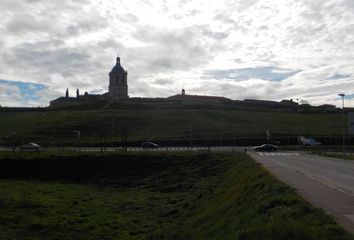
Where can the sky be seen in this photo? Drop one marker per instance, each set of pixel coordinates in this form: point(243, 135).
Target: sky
point(240, 49)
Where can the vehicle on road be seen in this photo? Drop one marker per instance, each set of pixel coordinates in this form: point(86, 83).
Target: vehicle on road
point(266, 147)
point(308, 141)
point(30, 147)
point(149, 145)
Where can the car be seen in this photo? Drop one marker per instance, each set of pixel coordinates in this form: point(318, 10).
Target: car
point(149, 145)
point(308, 141)
point(30, 147)
point(266, 147)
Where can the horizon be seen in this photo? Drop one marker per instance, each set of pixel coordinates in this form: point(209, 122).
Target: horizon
point(235, 49)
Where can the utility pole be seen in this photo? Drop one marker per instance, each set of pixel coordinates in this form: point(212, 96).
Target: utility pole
point(79, 139)
point(221, 133)
point(190, 139)
point(101, 142)
point(105, 143)
point(112, 132)
point(343, 119)
point(234, 142)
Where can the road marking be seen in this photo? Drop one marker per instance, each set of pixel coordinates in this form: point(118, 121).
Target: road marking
point(279, 154)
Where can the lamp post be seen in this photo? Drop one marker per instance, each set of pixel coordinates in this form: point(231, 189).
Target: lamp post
point(45, 141)
point(190, 139)
point(342, 95)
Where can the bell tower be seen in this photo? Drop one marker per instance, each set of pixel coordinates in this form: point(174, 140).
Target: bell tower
point(118, 81)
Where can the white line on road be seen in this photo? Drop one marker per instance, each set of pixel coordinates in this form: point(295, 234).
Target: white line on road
point(279, 154)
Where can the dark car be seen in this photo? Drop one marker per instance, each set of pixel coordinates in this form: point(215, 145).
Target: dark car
point(149, 145)
point(30, 147)
point(266, 147)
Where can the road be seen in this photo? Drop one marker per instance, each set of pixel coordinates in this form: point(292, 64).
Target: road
point(177, 149)
point(139, 149)
point(326, 183)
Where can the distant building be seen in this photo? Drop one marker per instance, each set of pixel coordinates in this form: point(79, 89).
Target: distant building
point(198, 98)
point(74, 101)
point(118, 89)
point(118, 82)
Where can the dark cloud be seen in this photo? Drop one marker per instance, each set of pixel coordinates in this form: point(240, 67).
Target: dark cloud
point(86, 26)
point(50, 18)
point(244, 5)
point(265, 73)
point(215, 35)
point(163, 81)
point(225, 18)
point(50, 60)
point(169, 50)
point(27, 23)
point(128, 18)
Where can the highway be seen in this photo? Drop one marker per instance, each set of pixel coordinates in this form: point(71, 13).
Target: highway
point(138, 149)
point(172, 149)
point(326, 183)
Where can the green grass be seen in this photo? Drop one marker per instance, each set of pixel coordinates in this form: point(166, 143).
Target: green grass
point(57, 127)
point(152, 196)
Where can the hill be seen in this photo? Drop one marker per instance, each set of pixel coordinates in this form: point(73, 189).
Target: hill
point(167, 124)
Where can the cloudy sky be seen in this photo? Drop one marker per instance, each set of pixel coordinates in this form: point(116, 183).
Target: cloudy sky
point(260, 49)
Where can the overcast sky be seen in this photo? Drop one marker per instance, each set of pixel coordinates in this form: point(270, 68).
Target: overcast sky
point(260, 49)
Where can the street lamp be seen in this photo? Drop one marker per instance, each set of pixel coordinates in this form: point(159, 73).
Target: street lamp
point(190, 138)
point(342, 95)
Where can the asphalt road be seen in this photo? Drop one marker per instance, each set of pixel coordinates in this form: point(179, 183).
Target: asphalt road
point(327, 183)
point(139, 149)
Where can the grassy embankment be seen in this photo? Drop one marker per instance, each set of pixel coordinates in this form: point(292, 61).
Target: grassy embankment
point(56, 127)
point(152, 196)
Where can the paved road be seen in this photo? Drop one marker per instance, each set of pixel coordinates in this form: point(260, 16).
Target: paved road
point(164, 149)
point(327, 183)
point(139, 149)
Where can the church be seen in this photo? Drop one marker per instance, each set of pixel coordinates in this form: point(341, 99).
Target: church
point(117, 90)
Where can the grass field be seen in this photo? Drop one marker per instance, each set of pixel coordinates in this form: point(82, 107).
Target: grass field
point(152, 196)
point(57, 127)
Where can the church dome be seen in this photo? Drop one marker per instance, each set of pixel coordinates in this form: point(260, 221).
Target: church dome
point(118, 69)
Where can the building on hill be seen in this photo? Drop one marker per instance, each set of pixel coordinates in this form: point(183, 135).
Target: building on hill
point(118, 89)
point(259, 102)
point(289, 102)
point(265, 104)
point(118, 82)
point(269, 103)
point(198, 98)
point(79, 99)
